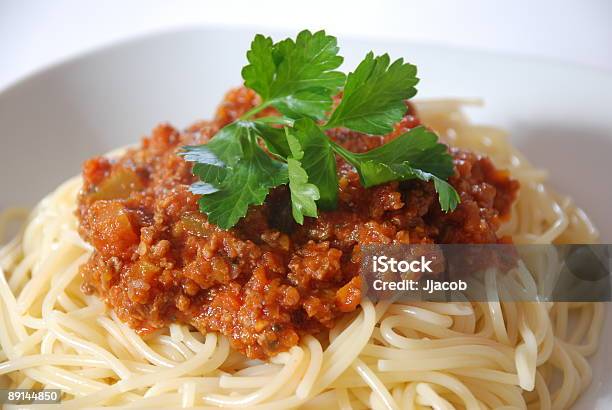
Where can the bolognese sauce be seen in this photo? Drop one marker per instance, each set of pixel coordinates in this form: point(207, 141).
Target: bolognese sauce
point(268, 281)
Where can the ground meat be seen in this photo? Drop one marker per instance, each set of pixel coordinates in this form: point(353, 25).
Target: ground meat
point(268, 281)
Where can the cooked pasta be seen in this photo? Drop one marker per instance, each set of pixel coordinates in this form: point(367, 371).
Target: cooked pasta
point(472, 355)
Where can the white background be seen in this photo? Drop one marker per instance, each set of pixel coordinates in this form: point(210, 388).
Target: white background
point(35, 33)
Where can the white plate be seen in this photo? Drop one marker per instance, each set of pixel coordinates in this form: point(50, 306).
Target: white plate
point(559, 115)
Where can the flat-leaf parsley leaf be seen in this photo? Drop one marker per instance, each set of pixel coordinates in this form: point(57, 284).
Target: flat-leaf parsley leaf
point(374, 95)
point(303, 194)
point(299, 78)
point(296, 77)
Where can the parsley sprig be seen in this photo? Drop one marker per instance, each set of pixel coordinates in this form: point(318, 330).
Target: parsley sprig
point(299, 78)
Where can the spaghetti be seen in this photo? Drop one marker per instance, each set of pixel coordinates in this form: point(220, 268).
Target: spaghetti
point(415, 355)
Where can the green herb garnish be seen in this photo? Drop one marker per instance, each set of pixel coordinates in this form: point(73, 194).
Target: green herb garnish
point(299, 79)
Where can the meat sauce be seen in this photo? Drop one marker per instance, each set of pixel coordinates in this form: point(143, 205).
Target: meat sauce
point(268, 281)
